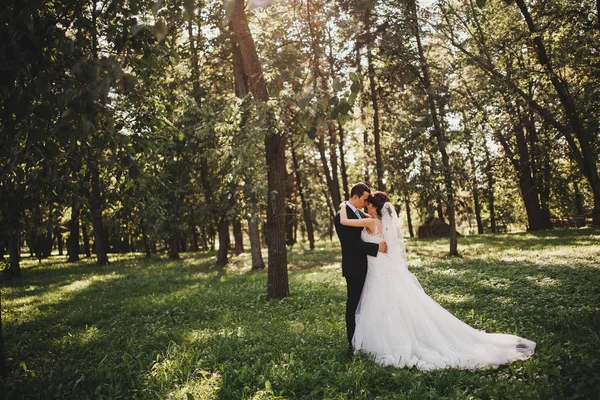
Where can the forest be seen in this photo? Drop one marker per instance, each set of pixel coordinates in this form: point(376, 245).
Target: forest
point(167, 126)
point(226, 127)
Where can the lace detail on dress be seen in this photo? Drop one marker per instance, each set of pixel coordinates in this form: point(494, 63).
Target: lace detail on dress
point(376, 236)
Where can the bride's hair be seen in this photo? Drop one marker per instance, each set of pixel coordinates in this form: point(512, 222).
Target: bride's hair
point(378, 199)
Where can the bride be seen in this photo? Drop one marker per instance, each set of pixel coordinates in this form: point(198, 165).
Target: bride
point(400, 325)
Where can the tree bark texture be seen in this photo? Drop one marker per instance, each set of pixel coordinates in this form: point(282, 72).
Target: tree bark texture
point(174, 246)
point(375, 104)
point(86, 238)
point(408, 216)
point(95, 202)
point(588, 156)
point(255, 250)
point(277, 285)
point(438, 132)
point(73, 248)
point(305, 204)
point(343, 168)
point(224, 241)
point(238, 237)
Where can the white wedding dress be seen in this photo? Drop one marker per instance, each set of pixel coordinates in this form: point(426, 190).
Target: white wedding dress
point(398, 324)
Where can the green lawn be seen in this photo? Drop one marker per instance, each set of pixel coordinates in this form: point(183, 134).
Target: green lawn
point(185, 329)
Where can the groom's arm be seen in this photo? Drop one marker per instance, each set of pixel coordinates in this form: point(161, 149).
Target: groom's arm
point(370, 249)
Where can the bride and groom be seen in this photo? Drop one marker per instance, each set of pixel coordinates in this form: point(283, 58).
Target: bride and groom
point(388, 315)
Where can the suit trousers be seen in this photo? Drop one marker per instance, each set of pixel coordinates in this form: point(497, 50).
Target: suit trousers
point(354, 285)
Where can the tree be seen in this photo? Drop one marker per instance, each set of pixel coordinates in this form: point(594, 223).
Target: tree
point(277, 286)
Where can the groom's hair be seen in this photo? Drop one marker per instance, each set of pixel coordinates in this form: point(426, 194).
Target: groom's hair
point(358, 189)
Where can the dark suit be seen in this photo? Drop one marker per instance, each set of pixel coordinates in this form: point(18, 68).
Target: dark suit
point(354, 265)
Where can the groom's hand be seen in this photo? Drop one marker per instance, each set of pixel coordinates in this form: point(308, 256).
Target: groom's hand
point(383, 247)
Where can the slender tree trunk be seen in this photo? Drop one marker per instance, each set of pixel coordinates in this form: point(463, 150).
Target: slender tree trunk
point(363, 120)
point(333, 161)
point(3, 367)
point(375, 104)
point(86, 238)
point(477, 208)
point(3, 247)
point(474, 183)
point(73, 249)
point(333, 188)
point(174, 246)
point(195, 239)
point(290, 210)
point(277, 285)
point(305, 205)
point(95, 201)
point(578, 199)
point(147, 248)
point(343, 161)
point(254, 236)
point(408, 216)
point(59, 240)
point(238, 237)
point(14, 247)
point(224, 241)
point(438, 132)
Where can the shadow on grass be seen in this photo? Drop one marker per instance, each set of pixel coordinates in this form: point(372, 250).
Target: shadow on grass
point(167, 328)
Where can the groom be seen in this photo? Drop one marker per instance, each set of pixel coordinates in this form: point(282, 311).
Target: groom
point(354, 253)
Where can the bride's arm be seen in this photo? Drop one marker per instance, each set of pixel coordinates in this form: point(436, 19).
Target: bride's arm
point(365, 222)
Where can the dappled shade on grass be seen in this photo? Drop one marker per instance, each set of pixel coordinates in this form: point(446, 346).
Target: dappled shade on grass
point(161, 328)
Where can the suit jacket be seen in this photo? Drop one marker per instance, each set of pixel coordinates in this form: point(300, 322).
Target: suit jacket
point(354, 250)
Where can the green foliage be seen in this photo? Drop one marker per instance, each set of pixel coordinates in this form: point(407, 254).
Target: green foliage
point(165, 329)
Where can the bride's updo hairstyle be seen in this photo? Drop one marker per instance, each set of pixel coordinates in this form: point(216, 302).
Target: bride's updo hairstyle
point(378, 199)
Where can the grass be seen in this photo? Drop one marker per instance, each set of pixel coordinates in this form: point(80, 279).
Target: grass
point(164, 329)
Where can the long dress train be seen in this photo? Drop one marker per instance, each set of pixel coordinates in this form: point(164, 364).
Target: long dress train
point(400, 325)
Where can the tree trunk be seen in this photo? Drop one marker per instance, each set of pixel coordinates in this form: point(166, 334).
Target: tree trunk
point(489, 171)
point(438, 132)
point(238, 237)
point(523, 171)
point(343, 162)
point(174, 246)
point(195, 239)
point(224, 241)
point(538, 172)
point(474, 183)
point(545, 184)
point(254, 235)
point(527, 184)
point(578, 199)
point(277, 286)
point(14, 248)
point(95, 202)
point(334, 190)
point(147, 249)
point(408, 216)
point(86, 238)
point(375, 104)
point(333, 161)
point(73, 249)
point(59, 240)
point(3, 367)
point(588, 156)
point(305, 204)
point(477, 207)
